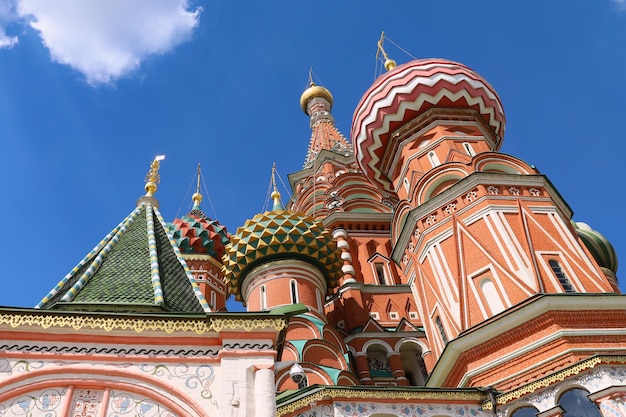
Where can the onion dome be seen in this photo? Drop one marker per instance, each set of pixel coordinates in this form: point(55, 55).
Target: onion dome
point(315, 91)
point(409, 90)
point(195, 233)
point(280, 234)
point(599, 247)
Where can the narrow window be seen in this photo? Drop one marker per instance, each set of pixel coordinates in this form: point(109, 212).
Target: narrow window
point(442, 331)
point(560, 274)
point(434, 161)
point(469, 149)
point(294, 291)
point(380, 274)
point(213, 299)
point(263, 298)
point(406, 184)
point(318, 298)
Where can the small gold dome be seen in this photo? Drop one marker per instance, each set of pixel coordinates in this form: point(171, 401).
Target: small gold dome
point(196, 197)
point(390, 64)
point(151, 188)
point(312, 92)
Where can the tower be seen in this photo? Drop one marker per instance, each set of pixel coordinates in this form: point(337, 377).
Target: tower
point(201, 242)
point(374, 308)
point(482, 237)
point(281, 260)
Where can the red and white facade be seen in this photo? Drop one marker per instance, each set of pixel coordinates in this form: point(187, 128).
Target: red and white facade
point(441, 278)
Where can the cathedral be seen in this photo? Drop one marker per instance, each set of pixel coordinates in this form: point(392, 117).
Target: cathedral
point(415, 271)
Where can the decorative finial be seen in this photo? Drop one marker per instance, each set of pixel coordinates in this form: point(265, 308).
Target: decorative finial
point(315, 91)
point(152, 177)
point(389, 63)
point(197, 197)
point(275, 194)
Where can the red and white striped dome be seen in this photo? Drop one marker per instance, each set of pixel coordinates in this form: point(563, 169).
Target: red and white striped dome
point(409, 90)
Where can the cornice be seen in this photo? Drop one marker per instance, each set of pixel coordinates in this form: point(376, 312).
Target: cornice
point(200, 324)
point(345, 219)
point(518, 316)
point(323, 156)
point(467, 184)
point(303, 400)
point(375, 288)
point(556, 377)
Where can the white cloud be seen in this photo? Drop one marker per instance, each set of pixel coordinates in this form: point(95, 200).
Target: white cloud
point(108, 39)
point(7, 14)
point(620, 4)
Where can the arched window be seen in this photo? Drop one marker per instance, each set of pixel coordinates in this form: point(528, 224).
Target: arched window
point(560, 274)
point(413, 364)
point(293, 285)
point(525, 412)
point(263, 298)
point(442, 331)
point(432, 157)
point(468, 148)
point(575, 403)
point(405, 181)
point(491, 295)
point(378, 362)
point(213, 299)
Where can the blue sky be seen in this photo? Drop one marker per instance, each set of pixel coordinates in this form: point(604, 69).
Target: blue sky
point(90, 93)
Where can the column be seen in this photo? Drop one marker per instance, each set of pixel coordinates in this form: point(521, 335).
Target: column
point(264, 393)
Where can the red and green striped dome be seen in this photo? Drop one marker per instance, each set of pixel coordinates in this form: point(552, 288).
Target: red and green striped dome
point(280, 234)
point(196, 233)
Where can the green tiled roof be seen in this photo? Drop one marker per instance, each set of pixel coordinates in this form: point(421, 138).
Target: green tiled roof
point(137, 267)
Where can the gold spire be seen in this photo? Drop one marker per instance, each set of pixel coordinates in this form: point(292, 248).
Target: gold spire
point(389, 63)
point(152, 177)
point(197, 197)
point(275, 194)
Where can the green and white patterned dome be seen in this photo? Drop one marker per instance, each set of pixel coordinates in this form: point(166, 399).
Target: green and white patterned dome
point(280, 234)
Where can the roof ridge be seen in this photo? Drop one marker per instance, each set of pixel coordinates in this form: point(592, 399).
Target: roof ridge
point(97, 262)
point(194, 285)
point(96, 250)
point(154, 258)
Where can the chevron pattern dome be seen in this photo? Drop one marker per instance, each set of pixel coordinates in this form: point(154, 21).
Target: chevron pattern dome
point(279, 234)
point(409, 90)
point(195, 233)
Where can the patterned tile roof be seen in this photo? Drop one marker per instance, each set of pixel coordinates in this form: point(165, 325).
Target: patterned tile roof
point(137, 267)
point(196, 233)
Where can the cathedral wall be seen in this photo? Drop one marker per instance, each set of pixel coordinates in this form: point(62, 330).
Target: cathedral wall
point(72, 385)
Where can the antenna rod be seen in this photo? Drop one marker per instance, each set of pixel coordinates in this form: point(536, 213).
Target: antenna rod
point(198, 183)
point(389, 63)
